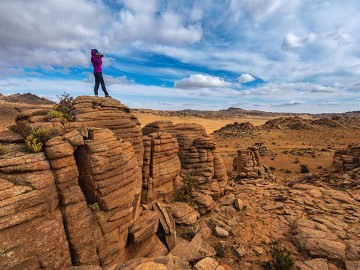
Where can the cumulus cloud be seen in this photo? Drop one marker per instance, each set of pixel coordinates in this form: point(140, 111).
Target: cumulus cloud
point(139, 22)
point(292, 41)
point(201, 81)
point(245, 78)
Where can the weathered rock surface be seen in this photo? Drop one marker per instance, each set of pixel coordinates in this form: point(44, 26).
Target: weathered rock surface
point(28, 212)
point(195, 250)
point(76, 205)
point(110, 113)
point(161, 166)
point(347, 159)
point(200, 158)
point(183, 213)
point(208, 264)
point(168, 262)
point(247, 164)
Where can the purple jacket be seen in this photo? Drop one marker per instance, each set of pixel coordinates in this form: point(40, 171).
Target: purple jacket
point(96, 62)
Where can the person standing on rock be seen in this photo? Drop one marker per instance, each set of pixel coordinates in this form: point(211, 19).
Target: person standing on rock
point(96, 60)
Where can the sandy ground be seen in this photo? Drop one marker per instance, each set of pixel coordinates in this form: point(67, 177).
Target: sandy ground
point(209, 124)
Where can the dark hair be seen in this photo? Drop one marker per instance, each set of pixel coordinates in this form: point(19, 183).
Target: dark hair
point(96, 51)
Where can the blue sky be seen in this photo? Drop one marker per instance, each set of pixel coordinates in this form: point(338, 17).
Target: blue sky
point(270, 55)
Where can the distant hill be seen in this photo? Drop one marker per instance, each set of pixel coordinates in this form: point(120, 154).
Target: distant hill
point(27, 98)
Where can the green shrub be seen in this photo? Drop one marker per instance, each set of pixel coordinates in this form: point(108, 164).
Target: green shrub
point(96, 208)
point(281, 256)
point(304, 168)
point(33, 143)
point(65, 106)
point(55, 114)
point(36, 138)
point(185, 193)
point(42, 133)
point(220, 250)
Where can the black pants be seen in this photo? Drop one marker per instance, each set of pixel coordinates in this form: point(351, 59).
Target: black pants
point(99, 79)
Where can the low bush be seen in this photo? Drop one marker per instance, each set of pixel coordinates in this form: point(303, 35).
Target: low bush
point(64, 107)
point(281, 258)
point(96, 209)
point(220, 250)
point(185, 193)
point(304, 168)
point(36, 138)
point(33, 143)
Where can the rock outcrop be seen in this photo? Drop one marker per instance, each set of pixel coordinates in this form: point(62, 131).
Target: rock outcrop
point(78, 202)
point(247, 164)
point(198, 156)
point(29, 211)
point(110, 113)
point(161, 167)
point(347, 159)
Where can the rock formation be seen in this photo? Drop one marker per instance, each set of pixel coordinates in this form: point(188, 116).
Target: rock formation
point(110, 113)
point(198, 156)
point(347, 159)
point(247, 164)
point(77, 203)
point(161, 166)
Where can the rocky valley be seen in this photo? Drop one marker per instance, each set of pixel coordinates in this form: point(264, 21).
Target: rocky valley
point(108, 187)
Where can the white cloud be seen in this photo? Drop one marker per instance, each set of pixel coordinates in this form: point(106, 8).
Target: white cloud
point(324, 103)
point(292, 41)
point(201, 81)
point(261, 10)
point(245, 78)
point(288, 103)
point(137, 22)
point(340, 36)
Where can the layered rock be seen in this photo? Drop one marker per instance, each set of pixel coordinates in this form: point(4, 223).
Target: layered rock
point(110, 113)
point(247, 164)
point(161, 166)
point(76, 214)
point(198, 155)
point(79, 200)
point(28, 212)
point(200, 158)
point(83, 193)
point(347, 159)
point(29, 119)
point(110, 178)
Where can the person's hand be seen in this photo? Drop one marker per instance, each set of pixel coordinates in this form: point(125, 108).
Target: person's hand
point(99, 54)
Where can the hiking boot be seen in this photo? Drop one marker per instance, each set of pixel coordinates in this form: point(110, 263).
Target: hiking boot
point(107, 96)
